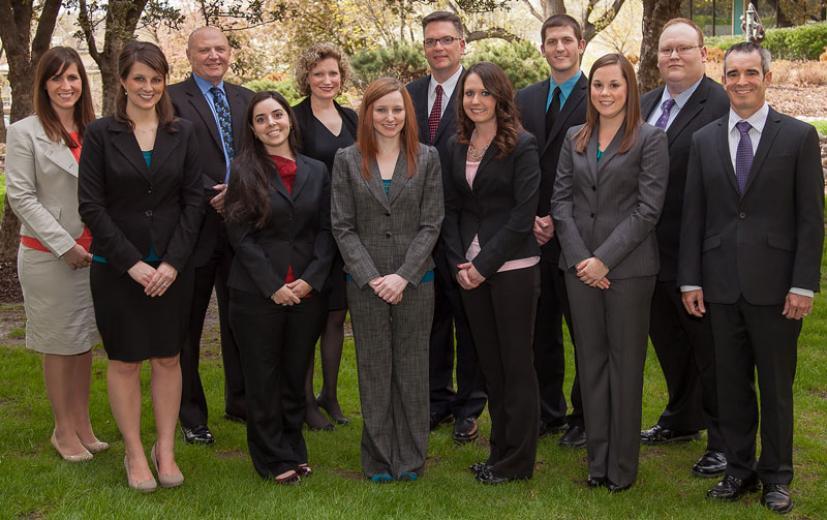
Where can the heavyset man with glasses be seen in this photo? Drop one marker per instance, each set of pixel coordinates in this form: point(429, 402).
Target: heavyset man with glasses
point(434, 97)
point(688, 101)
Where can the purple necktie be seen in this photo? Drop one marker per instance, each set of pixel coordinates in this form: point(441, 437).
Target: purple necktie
point(665, 108)
point(743, 155)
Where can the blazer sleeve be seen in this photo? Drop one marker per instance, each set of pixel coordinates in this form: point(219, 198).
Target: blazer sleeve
point(359, 264)
point(324, 247)
point(451, 234)
point(431, 214)
point(192, 213)
point(574, 250)
point(247, 251)
point(21, 189)
point(525, 191)
point(108, 239)
point(809, 199)
point(652, 180)
point(693, 221)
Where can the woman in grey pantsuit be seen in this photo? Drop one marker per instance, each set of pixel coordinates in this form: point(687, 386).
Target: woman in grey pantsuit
point(610, 186)
point(386, 211)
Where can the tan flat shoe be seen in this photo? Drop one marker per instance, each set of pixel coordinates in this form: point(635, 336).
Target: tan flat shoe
point(96, 446)
point(167, 481)
point(83, 456)
point(145, 486)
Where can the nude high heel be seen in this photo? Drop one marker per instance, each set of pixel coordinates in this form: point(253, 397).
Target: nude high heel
point(167, 481)
point(96, 446)
point(145, 486)
point(77, 457)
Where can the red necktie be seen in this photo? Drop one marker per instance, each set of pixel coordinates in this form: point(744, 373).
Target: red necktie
point(436, 113)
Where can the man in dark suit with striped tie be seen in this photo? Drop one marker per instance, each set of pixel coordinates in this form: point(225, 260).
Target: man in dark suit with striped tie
point(435, 98)
point(549, 108)
point(750, 259)
point(217, 110)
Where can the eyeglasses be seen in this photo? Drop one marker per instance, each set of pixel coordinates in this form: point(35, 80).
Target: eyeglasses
point(444, 41)
point(666, 52)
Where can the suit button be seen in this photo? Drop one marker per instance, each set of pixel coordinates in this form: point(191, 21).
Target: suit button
point(742, 215)
point(149, 191)
point(591, 215)
point(148, 213)
point(594, 188)
point(388, 234)
point(387, 213)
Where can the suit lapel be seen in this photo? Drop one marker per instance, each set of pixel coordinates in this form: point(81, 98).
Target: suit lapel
point(165, 143)
point(124, 141)
point(690, 110)
point(58, 153)
point(302, 174)
point(196, 99)
point(609, 153)
point(533, 116)
point(375, 182)
point(576, 97)
point(420, 101)
point(651, 103)
point(771, 129)
point(400, 177)
point(238, 109)
point(487, 157)
point(723, 153)
point(591, 157)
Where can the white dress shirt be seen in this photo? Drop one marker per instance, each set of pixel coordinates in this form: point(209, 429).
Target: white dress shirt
point(447, 90)
point(680, 101)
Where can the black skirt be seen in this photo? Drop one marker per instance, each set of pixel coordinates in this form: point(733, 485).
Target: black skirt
point(335, 289)
point(133, 326)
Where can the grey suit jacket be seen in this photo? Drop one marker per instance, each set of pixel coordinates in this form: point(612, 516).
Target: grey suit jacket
point(42, 186)
point(609, 209)
point(380, 234)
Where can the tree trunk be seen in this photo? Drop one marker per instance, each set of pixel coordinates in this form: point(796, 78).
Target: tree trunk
point(655, 14)
point(552, 7)
point(22, 55)
point(2, 108)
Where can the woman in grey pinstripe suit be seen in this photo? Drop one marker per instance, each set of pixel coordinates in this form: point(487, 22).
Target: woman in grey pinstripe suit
point(386, 212)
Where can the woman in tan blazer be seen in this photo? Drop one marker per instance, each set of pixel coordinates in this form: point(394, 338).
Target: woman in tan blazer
point(386, 212)
point(52, 262)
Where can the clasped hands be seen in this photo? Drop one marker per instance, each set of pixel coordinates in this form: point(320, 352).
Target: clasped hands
point(77, 257)
point(291, 293)
point(468, 277)
point(154, 281)
point(389, 287)
point(592, 272)
point(217, 202)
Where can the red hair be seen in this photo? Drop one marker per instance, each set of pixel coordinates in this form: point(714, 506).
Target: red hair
point(366, 137)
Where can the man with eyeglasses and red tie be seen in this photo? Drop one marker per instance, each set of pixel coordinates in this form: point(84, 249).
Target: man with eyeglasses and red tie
point(687, 101)
point(434, 97)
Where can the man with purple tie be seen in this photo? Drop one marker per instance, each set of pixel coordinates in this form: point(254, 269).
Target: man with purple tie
point(687, 101)
point(750, 258)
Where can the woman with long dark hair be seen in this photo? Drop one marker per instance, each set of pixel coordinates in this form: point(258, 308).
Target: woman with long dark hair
point(278, 222)
point(326, 127)
point(608, 194)
point(387, 208)
point(42, 153)
point(491, 199)
point(141, 194)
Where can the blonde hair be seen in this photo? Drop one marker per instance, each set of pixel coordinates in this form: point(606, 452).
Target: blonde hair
point(312, 56)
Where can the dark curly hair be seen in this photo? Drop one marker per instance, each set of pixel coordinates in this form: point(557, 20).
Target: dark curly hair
point(508, 117)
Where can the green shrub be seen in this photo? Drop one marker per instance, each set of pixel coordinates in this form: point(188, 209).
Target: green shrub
point(285, 87)
point(520, 60)
point(405, 62)
point(805, 42)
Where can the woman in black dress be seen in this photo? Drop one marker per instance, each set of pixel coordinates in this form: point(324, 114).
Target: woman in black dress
point(141, 196)
point(324, 127)
point(278, 222)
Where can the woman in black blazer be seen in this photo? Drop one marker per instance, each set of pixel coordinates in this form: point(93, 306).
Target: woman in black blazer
point(278, 222)
point(491, 198)
point(325, 127)
point(140, 194)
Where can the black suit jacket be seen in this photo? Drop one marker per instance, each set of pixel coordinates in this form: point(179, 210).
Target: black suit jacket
point(760, 244)
point(500, 208)
point(304, 118)
point(190, 104)
point(531, 101)
point(418, 89)
point(708, 103)
point(297, 233)
point(129, 207)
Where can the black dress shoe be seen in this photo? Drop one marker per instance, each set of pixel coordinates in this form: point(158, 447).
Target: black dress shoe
point(198, 434)
point(465, 430)
point(731, 488)
point(776, 497)
point(486, 476)
point(477, 467)
point(235, 418)
point(553, 428)
point(711, 464)
point(575, 437)
point(614, 488)
point(437, 419)
point(595, 482)
point(657, 434)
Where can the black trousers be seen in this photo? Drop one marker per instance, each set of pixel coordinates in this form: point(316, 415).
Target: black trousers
point(469, 398)
point(193, 402)
point(684, 348)
point(501, 312)
point(549, 353)
point(749, 337)
point(276, 343)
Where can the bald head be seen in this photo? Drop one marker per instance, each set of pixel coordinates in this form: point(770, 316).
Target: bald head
point(208, 52)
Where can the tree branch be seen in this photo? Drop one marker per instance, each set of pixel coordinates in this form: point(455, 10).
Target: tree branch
point(8, 27)
point(536, 14)
point(88, 31)
point(493, 32)
point(45, 28)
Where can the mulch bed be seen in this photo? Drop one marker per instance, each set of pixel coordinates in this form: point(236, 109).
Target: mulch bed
point(9, 284)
